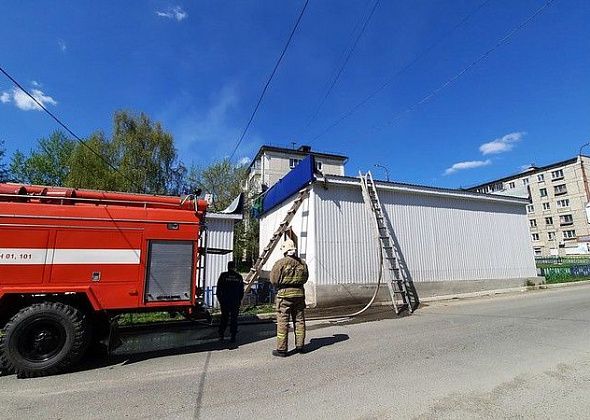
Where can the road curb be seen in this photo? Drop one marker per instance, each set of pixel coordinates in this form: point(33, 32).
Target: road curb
point(484, 293)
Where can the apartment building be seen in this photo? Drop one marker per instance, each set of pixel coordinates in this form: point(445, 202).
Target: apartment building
point(271, 163)
point(558, 213)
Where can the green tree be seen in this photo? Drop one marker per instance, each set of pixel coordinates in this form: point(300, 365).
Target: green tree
point(4, 173)
point(246, 237)
point(47, 164)
point(145, 155)
point(140, 157)
point(90, 165)
point(222, 179)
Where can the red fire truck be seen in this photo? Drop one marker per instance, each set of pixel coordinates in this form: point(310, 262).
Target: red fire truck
point(71, 260)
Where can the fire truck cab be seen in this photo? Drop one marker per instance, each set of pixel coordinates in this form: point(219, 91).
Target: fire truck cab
point(72, 260)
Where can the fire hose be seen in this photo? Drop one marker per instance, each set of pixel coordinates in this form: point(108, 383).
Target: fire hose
point(371, 301)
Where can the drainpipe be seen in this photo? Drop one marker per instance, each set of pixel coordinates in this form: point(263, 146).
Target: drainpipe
point(584, 179)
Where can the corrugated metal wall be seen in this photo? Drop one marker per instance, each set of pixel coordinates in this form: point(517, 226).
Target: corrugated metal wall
point(441, 237)
point(220, 235)
point(303, 226)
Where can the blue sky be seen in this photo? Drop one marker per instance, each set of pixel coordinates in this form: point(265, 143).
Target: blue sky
point(198, 68)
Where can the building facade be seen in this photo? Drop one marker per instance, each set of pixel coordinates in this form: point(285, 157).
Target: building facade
point(558, 205)
point(451, 241)
point(271, 163)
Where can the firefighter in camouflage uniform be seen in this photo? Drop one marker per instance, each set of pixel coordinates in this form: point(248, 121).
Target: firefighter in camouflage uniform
point(289, 274)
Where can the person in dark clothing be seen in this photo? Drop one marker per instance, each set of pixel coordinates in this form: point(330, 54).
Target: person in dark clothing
point(230, 291)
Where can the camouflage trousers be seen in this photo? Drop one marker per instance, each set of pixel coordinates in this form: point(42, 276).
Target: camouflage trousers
point(290, 309)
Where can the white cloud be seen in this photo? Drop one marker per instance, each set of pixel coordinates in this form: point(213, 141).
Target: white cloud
point(244, 161)
point(22, 101)
point(62, 45)
point(35, 83)
point(208, 130)
point(502, 144)
point(173, 13)
point(470, 164)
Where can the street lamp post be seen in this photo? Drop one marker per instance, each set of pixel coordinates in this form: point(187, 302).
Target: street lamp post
point(385, 169)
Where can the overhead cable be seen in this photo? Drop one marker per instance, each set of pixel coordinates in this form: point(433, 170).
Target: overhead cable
point(449, 82)
point(343, 65)
point(268, 81)
point(63, 125)
point(406, 67)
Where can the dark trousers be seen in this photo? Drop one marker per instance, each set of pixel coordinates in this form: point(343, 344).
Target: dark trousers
point(229, 313)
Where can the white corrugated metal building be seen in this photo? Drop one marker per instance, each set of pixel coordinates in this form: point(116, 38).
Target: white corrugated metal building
point(452, 240)
point(220, 235)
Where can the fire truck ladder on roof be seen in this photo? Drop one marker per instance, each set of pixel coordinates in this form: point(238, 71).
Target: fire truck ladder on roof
point(398, 282)
point(276, 237)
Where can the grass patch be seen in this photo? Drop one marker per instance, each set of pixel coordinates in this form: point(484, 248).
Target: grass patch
point(260, 309)
point(566, 280)
point(148, 318)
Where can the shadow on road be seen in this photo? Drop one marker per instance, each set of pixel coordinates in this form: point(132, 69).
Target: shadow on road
point(317, 343)
point(144, 345)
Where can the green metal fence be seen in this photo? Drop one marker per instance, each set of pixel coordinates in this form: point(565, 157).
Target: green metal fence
point(573, 259)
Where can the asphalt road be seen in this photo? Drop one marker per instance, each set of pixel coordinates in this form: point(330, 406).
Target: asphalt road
point(520, 356)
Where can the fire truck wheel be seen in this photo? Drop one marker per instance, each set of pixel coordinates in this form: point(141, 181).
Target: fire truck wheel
point(44, 338)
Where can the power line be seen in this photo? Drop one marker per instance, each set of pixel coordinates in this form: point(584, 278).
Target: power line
point(341, 69)
point(65, 127)
point(269, 80)
point(416, 59)
point(504, 40)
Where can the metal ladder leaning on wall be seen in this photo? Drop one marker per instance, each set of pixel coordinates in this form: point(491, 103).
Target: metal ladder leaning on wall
point(397, 281)
point(275, 238)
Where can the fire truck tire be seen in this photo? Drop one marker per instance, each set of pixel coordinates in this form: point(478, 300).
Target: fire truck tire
point(44, 338)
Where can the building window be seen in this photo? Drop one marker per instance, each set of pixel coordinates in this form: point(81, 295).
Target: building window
point(569, 234)
point(558, 174)
point(293, 162)
point(318, 165)
point(563, 203)
point(525, 181)
point(498, 186)
point(546, 206)
point(548, 220)
point(566, 219)
point(543, 192)
point(530, 208)
point(551, 235)
point(560, 189)
point(511, 185)
point(535, 236)
point(541, 178)
point(537, 252)
point(533, 223)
